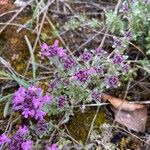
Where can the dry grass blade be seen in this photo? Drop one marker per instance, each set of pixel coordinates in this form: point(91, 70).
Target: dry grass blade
point(15, 15)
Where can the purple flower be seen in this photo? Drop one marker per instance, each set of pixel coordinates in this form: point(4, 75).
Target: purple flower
point(68, 62)
point(86, 56)
point(52, 147)
point(128, 35)
point(52, 50)
point(19, 98)
point(4, 139)
point(66, 82)
point(96, 95)
point(125, 68)
point(81, 75)
point(27, 145)
point(112, 81)
point(44, 51)
point(53, 85)
point(23, 130)
point(31, 102)
point(39, 115)
point(26, 112)
point(19, 140)
point(117, 42)
point(61, 101)
point(61, 52)
point(37, 103)
point(16, 142)
point(91, 71)
point(34, 89)
point(118, 59)
point(100, 52)
point(99, 70)
point(41, 127)
point(47, 98)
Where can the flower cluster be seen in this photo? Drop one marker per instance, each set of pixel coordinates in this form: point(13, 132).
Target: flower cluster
point(117, 42)
point(81, 75)
point(100, 52)
point(30, 102)
point(4, 139)
point(96, 95)
point(86, 56)
point(50, 51)
point(112, 81)
point(118, 59)
point(18, 141)
point(61, 101)
point(68, 62)
point(41, 127)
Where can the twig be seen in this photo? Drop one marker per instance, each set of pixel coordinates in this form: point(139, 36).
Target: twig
point(19, 11)
point(107, 29)
point(92, 125)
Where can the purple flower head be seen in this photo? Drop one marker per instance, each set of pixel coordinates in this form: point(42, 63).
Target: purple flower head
point(16, 142)
point(99, 70)
point(61, 101)
point(61, 52)
point(68, 62)
point(44, 51)
point(91, 71)
point(41, 127)
point(125, 68)
point(53, 85)
point(52, 147)
point(52, 50)
point(118, 59)
point(39, 115)
point(128, 35)
point(19, 97)
point(37, 102)
point(23, 130)
point(30, 103)
point(112, 81)
point(35, 90)
point(86, 56)
point(100, 52)
point(81, 75)
point(26, 112)
point(19, 140)
point(96, 95)
point(27, 145)
point(117, 42)
point(47, 98)
point(4, 139)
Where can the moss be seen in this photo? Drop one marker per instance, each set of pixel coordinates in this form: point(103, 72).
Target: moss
point(80, 124)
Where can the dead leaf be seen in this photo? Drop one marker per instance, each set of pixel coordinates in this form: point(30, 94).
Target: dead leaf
point(131, 115)
point(134, 120)
point(121, 104)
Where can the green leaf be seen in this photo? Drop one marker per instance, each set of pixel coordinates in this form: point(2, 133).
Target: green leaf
point(148, 52)
point(4, 74)
point(4, 98)
point(6, 109)
point(32, 58)
point(20, 81)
